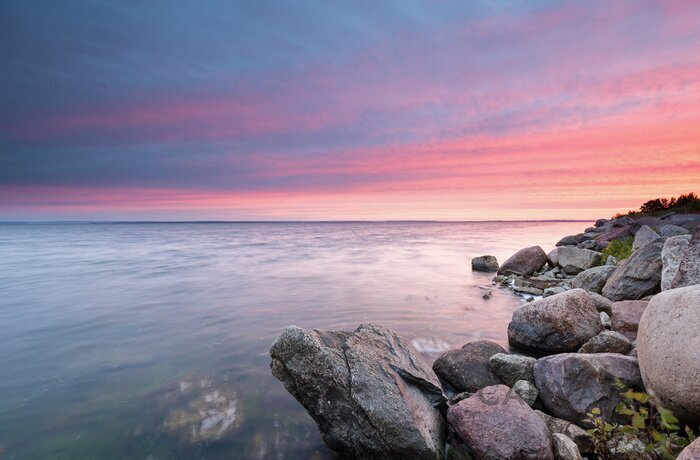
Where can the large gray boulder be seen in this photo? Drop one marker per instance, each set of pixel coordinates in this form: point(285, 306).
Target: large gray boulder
point(511, 367)
point(485, 264)
point(524, 262)
point(468, 368)
point(571, 384)
point(644, 236)
point(555, 324)
point(613, 234)
point(497, 424)
point(594, 278)
point(638, 276)
point(671, 255)
point(574, 260)
point(689, 266)
point(668, 347)
point(553, 258)
point(571, 240)
point(371, 394)
point(626, 316)
point(670, 230)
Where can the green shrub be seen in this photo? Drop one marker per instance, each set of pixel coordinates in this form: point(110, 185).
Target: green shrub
point(656, 427)
point(620, 249)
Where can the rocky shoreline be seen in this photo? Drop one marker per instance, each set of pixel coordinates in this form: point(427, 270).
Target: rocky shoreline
point(593, 326)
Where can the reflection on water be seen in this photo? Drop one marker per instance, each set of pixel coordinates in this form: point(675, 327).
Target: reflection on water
point(151, 340)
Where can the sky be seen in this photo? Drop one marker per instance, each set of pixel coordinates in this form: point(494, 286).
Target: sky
point(346, 110)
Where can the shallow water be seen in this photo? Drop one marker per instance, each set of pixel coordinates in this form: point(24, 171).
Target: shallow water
point(131, 340)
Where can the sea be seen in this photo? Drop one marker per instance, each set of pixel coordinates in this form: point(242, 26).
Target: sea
point(150, 340)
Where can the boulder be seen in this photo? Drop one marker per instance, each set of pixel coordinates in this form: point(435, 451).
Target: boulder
point(602, 304)
point(668, 347)
point(592, 245)
point(583, 440)
point(622, 221)
point(371, 394)
point(605, 320)
point(645, 221)
point(468, 368)
point(671, 255)
point(636, 277)
point(485, 264)
point(524, 262)
point(607, 342)
point(526, 390)
point(613, 234)
point(575, 260)
point(571, 384)
point(601, 222)
point(626, 315)
point(691, 451)
point(593, 279)
point(497, 424)
point(644, 236)
point(670, 230)
point(565, 448)
point(689, 266)
point(571, 240)
point(550, 291)
point(511, 368)
point(556, 324)
point(552, 258)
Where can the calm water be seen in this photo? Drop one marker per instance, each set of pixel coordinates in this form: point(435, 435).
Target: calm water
point(116, 340)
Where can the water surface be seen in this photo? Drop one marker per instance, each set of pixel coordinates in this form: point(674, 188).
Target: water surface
point(113, 335)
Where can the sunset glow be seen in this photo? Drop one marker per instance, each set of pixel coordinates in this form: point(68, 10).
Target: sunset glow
point(537, 110)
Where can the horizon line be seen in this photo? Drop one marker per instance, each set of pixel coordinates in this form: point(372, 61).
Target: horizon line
point(2, 222)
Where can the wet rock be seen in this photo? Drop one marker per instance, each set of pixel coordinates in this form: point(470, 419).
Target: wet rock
point(468, 369)
point(524, 262)
point(668, 346)
point(497, 424)
point(571, 384)
point(607, 342)
point(526, 390)
point(581, 438)
point(602, 304)
point(555, 324)
point(485, 264)
point(528, 290)
point(370, 393)
point(626, 316)
point(593, 279)
point(644, 236)
point(511, 367)
point(565, 448)
point(691, 452)
point(201, 411)
point(574, 260)
point(670, 230)
point(689, 266)
point(636, 277)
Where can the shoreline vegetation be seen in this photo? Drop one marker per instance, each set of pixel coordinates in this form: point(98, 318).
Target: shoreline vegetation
point(604, 358)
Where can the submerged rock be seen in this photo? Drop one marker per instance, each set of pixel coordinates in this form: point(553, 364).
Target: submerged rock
point(370, 393)
point(497, 424)
point(524, 262)
point(668, 346)
point(201, 411)
point(571, 384)
point(636, 277)
point(468, 369)
point(485, 264)
point(555, 324)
